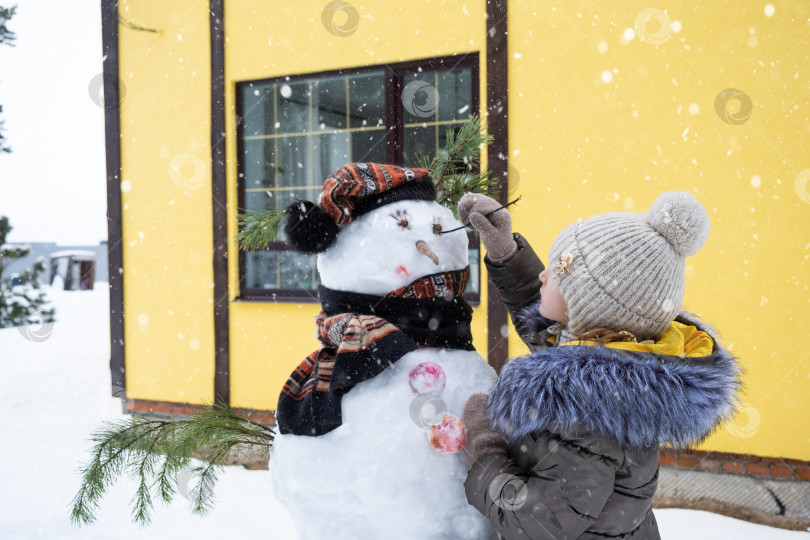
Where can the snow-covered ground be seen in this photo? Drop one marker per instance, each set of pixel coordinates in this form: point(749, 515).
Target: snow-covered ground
point(53, 395)
point(55, 392)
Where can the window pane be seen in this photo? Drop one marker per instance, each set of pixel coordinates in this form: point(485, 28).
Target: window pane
point(294, 161)
point(293, 106)
point(295, 180)
point(432, 103)
point(419, 97)
point(367, 99)
point(280, 270)
point(330, 152)
point(259, 163)
point(257, 110)
point(329, 100)
point(418, 140)
point(455, 94)
point(368, 146)
point(437, 96)
point(297, 271)
point(259, 201)
point(257, 270)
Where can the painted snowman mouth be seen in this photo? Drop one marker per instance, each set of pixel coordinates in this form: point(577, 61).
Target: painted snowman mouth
point(424, 249)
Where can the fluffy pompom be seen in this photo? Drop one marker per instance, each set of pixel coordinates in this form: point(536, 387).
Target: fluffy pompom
point(309, 228)
point(681, 219)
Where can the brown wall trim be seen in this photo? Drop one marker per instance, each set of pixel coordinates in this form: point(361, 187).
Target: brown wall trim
point(740, 464)
point(222, 373)
point(184, 410)
point(497, 157)
point(112, 137)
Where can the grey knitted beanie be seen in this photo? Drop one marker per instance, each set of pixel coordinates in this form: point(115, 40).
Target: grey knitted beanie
point(624, 270)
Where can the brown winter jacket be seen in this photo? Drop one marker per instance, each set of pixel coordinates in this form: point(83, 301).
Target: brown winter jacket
point(584, 423)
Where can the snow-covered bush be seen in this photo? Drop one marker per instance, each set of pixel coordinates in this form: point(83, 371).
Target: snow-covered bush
point(23, 302)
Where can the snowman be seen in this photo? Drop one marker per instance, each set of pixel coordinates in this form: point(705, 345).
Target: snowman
point(370, 439)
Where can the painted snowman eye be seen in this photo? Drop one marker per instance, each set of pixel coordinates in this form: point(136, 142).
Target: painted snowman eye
point(437, 227)
point(401, 216)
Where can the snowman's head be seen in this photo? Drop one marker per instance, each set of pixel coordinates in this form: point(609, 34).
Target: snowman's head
point(377, 228)
point(392, 246)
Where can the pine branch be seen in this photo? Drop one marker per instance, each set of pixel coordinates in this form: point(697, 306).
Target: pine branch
point(456, 167)
point(202, 494)
point(7, 37)
point(153, 451)
point(166, 479)
point(14, 252)
point(142, 501)
point(113, 441)
point(258, 229)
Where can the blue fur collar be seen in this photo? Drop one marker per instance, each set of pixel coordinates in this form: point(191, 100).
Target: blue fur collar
point(634, 398)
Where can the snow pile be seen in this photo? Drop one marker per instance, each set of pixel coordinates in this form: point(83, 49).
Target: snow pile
point(377, 475)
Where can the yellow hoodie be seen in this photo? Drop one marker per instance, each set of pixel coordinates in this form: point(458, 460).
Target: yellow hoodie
point(677, 340)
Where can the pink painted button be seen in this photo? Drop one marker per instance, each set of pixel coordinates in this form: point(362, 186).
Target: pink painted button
point(448, 436)
point(427, 378)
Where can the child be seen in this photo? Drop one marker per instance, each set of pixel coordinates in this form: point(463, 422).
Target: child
point(566, 444)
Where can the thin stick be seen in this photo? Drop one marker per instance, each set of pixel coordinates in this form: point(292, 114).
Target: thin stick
point(485, 215)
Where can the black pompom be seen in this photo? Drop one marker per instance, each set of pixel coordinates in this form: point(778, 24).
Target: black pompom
point(309, 228)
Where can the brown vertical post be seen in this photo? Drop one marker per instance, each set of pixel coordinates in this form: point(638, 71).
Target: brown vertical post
point(112, 144)
point(222, 375)
point(497, 156)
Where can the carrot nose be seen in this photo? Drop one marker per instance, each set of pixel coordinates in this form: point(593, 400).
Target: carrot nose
point(423, 248)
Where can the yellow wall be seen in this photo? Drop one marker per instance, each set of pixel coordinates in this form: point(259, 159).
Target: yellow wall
point(166, 199)
point(578, 146)
point(266, 40)
point(582, 147)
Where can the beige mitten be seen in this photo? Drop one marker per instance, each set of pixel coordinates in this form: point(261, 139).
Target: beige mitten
point(495, 230)
point(481, 438)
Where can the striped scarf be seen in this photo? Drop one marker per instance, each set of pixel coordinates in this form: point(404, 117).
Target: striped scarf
point(363, 334)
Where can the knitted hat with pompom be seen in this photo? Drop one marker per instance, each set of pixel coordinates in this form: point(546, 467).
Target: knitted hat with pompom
point(624, 270)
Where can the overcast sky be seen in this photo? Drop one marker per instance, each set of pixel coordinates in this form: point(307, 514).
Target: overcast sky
point(52, 185)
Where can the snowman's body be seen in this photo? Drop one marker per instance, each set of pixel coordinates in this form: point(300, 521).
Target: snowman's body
point(376, 475)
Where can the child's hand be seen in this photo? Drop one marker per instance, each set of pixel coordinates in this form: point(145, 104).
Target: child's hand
point(495, 230)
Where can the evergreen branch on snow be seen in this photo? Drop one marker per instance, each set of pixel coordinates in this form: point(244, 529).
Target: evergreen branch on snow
point(258, 229)
point(456, 167)
point(154, 451)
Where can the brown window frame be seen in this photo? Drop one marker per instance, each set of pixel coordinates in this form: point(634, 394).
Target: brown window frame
point(394, 76)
